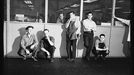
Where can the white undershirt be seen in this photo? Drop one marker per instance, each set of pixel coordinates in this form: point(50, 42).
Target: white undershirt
point(89, 25)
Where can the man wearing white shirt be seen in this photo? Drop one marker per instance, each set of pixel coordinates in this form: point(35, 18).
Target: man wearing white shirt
point(89, 26)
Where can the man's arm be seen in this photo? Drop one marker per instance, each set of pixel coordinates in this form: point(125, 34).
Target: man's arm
point(42, 47)
point(67, 23)
point(35, 42)
point(94, 27)
point(23, 45)
point(50, 41)
point(97, 46)
point(106, 45)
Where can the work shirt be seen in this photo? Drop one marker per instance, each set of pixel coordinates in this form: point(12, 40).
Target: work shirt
point(89, 25)
point(28, 40)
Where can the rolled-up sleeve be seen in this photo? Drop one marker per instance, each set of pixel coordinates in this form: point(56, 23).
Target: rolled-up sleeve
point(35, 40)
point(23, 43)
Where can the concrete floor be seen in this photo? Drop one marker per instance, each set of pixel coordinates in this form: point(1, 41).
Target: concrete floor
point(111, 66)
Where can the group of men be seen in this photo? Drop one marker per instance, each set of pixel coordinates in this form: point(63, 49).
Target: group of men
point(30, 47)
point(73, 31)
point(46, 47)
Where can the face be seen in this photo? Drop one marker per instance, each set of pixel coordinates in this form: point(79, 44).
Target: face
point(61, 16)
point(102, 38)
point(90, 16)
point(30, 30)
point(72, 15)
point(46, 33)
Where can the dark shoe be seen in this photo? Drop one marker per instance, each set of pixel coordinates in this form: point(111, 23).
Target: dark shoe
point(69, 59)
point(87, 58)
point(51, 60)
point(24, 58)
point(34, 58)
point(103, 58)
point(72, 60)
point(95, 58)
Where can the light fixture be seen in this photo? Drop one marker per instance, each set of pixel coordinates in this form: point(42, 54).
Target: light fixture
point(120, 1)
point(28, 1)
point(75, 5)
point(115, 8)
point(97, 10)
point(89, 1)
point(31, 6)
point(66, 8)
point(126, 12)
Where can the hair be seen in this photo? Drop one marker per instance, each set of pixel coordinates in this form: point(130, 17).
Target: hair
point(46, 30)
point(61, 13)
point(29, 27)
point(102, 35)
point(89, 13)
point(72, 12)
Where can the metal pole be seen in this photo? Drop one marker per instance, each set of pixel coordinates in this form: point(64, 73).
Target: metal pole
point(113, 12)
point(81, 14)
point(7, 24)
point(112, 21)
point(8, 11)
point(46, 11)
point(81, 10)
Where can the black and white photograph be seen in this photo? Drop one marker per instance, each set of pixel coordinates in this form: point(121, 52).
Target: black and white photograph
point(67, 37)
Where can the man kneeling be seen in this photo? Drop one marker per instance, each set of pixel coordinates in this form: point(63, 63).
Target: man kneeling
point(29, 44)
point(47, 47)
point(100, 49)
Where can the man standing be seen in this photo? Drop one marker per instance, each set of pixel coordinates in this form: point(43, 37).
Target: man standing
point(28, 44)
point(73, 27)
point(89, 26)
point(60, 19)
point(47, 45)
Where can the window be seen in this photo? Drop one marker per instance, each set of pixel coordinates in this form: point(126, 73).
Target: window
point(27, 10)
point(55, 7)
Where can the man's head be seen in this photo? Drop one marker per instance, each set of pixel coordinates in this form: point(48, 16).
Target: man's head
point(72, 14)
point(102, 37)
point(29, 29)
point(46, 32)
point(89, 15)
point(61, 15)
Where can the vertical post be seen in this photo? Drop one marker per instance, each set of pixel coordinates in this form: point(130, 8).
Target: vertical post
point(8, 11)
point(7, 24)
point(81, 14)
point(81, 10)
point(112, 20)
point(113, 12)
point(46, 11)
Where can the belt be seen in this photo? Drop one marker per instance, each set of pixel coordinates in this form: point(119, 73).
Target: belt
point(88, 31)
